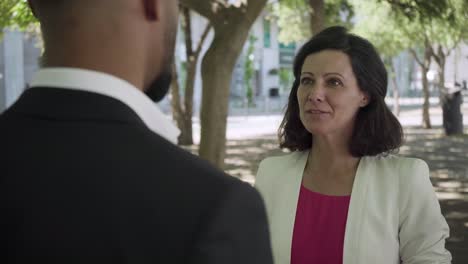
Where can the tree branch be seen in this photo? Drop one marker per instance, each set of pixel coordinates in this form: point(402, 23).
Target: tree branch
point(206, 8)
point(187, 27)
point(458, 40)
point(253, 7)
point(415, 56)
point(202, 39)
point(436, 56)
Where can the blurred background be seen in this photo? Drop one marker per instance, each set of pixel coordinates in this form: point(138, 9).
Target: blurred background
point(233, 69)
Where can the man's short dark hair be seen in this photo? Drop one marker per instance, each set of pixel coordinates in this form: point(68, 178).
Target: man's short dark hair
point(376, 129)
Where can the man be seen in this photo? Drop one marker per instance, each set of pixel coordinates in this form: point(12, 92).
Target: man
point(88, 170)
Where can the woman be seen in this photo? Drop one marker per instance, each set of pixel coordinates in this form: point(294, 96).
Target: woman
point(340, 197)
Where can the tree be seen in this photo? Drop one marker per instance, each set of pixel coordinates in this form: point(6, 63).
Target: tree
point(231, 24)
point(292, 17)
point(454, 26)
point(417, 27)
point(440, 35)
point(396, 34)
point(382, 36)
point(317, 15)
point(183, 115)
point(417, 9)
point(424, 63)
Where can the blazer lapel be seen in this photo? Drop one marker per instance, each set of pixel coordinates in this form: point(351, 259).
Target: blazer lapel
point(285, 213)
point(356, 212)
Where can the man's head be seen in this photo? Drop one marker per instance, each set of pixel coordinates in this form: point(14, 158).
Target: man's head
point(131, 39)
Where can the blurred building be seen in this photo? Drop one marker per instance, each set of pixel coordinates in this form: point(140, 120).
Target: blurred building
point(19, 54)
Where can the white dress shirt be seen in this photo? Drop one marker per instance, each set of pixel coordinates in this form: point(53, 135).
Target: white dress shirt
point(111, 86)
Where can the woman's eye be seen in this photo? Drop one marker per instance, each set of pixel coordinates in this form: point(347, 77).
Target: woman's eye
point(335, 82)
point(305, 81)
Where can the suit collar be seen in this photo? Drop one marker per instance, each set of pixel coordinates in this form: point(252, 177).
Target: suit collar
point(107, 85)
point(71, 105)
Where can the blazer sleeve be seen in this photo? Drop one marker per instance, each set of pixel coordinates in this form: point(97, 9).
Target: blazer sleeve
point(238, 231)
point(422, 228)
point(260, 179)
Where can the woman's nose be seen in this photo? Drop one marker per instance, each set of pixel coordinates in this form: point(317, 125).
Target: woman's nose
point(316, 93)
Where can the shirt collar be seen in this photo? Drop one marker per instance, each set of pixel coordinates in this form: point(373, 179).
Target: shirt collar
point(111, 86)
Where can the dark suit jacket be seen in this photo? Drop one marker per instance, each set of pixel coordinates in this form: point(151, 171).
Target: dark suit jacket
point(83, 180)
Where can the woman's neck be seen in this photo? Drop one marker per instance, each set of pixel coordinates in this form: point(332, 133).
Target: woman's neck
point(330, 168)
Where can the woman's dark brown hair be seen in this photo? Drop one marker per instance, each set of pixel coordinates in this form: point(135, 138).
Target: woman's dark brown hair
point(377, 130)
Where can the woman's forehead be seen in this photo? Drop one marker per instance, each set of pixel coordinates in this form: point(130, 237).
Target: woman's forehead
point(327, 61)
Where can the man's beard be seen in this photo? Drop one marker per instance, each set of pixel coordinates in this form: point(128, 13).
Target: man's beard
point(159, 87)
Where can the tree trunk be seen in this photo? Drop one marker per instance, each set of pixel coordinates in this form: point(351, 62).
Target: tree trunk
point(183, 116)
point(216, 88)
point(184, 122)
point(317, 16)
point(177, 112)
point(426, 118)
point(451, 100)
point(186, 138)
point(396, 92)
point(424, 64)
point(186, 135)
point(232, 25)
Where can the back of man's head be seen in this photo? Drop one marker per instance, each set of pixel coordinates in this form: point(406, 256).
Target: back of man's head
point(131, 39)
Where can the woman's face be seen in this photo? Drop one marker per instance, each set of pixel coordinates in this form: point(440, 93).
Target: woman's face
point(328, 94)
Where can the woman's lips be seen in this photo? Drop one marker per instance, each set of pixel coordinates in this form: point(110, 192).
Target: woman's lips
point(316, 111)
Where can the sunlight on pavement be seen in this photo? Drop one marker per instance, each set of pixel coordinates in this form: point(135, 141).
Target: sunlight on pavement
point(456, 215)
point(450, 184)
point(451, 196)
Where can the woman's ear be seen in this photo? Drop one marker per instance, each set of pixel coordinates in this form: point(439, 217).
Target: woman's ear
point(364, 100)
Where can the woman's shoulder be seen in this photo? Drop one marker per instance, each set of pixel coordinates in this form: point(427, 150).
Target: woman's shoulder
point(282, 160)
point(397, 162)
point(278, 166)
point(406, 172)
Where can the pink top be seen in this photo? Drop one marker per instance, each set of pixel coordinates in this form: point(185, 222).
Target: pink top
point(319, 228)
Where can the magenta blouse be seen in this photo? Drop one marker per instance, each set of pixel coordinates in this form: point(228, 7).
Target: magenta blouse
point(319, 228)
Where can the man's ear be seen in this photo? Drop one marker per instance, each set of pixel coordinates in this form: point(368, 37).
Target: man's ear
point(33, 8)
point(151, 8)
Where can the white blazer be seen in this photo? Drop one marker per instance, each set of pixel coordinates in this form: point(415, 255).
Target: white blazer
point(393, 213)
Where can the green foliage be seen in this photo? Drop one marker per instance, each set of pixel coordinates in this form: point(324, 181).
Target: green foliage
point(16, 13)
point(339, 12)
point(293, 18)
point(286, 78)
point(391, 30)
point(419, 9)
point(375, 25)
